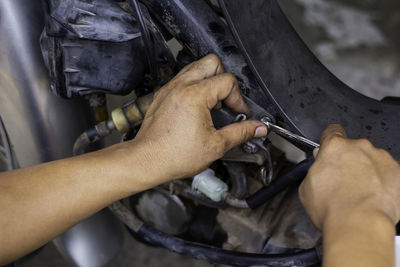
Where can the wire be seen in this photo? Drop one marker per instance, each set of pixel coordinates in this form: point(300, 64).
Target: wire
point(294, 175)
point(146, 40)
point(209, 253)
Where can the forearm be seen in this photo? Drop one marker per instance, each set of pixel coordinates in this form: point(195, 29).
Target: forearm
point(41, 202)
point(359, 239)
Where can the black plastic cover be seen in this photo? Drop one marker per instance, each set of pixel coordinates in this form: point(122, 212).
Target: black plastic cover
point(92, 46)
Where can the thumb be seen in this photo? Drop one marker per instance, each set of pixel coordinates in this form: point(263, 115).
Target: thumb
point(333, 130)
point(240, 132)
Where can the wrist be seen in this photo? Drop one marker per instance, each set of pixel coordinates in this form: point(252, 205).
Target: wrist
point(136, 166)
point(358, 238)
point(356, 214)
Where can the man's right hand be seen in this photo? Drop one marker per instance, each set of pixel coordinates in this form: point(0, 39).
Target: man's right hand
point(350, 175)
point(352, 193)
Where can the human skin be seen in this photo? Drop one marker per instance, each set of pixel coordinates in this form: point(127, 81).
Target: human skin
point(352, 193)
point(177, 140)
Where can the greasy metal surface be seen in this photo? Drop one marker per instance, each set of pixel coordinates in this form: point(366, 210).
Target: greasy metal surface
point(308, 96)
point(41, 126)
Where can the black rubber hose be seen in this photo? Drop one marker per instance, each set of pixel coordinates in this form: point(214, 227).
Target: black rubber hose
point(226, 257)
point(238, 178)
point(294, 175)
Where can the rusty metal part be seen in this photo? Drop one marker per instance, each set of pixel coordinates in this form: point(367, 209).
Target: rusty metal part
point(126, 216)
point(123, 119)
point(90, 136)
point(98, 104)
point(234, 202)
point(131, 114)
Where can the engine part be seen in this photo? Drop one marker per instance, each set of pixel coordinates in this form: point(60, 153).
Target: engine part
point(92, 135)
point(208, 253)
point(279, 226)
point(42, 127)
point(122, 119)
point(83, 41)
point(98, 103)
point(163, 211)
point(307, 95)
point(207, 183)
point(131, 114)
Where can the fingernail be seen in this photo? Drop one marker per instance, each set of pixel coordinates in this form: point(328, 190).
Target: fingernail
point(315, 152)
point(261, 131)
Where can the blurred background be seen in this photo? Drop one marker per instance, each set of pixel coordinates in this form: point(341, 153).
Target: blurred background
point(357, 40)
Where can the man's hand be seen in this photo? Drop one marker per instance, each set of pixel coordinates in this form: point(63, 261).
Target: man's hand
point(350, 175)
point(352, 193)
point(178, 133)
point(177, 139)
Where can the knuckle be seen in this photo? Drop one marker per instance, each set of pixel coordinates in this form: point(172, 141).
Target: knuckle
point(212, 59)
point(334, 141)
point(244, 133)
point(364, 143)
point(229, 77)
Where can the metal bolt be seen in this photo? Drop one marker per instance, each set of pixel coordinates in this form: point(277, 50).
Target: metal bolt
point(250, 148)
point(266, 120)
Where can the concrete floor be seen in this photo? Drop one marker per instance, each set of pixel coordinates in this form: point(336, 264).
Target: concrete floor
point(356, 39)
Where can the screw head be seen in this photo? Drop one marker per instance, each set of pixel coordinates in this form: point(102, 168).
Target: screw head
point(266, 120)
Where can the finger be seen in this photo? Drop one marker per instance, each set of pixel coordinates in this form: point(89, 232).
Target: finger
point(315, 152)
point(218, 105)
point(207, 66)
point(238, 133)
point(333, 130)
point(224, 87)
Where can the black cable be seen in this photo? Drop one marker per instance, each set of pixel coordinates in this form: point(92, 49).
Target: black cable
point(226, 257)
point(294, 175)
point(146, 40)
point(208, 253)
